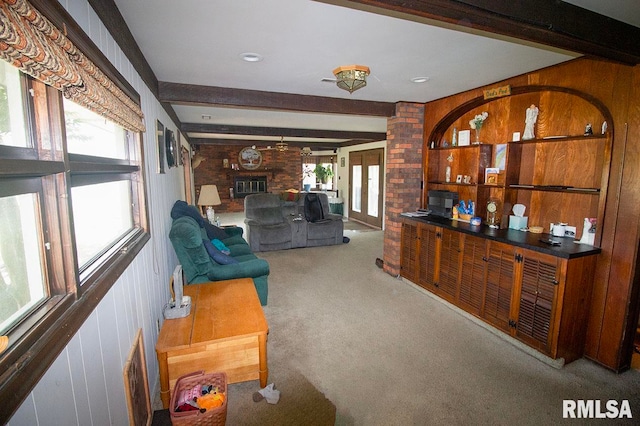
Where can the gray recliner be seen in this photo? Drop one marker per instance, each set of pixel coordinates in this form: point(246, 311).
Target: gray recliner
point(275, 224)
point(267, 228)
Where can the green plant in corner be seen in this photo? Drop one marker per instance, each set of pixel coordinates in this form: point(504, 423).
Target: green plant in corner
point(323, 173)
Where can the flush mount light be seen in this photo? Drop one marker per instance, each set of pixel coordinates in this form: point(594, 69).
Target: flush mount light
point(251, 57)
point(419, 79)
point(351, 77)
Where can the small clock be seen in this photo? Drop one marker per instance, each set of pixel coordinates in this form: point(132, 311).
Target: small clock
point(493, 217)
point(250, 158)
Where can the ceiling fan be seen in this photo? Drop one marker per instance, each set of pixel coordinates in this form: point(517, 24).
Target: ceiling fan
point(279, 146)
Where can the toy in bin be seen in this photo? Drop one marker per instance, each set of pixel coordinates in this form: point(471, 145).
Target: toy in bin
point(199, 398)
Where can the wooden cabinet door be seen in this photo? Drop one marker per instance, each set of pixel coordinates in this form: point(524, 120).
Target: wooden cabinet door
point(409, 251)
point(428, 258)
point(499, 286)
point(538, 283)
point(472, 281)
point(449, 266)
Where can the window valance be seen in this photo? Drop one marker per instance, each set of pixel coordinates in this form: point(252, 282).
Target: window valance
point(32, 43)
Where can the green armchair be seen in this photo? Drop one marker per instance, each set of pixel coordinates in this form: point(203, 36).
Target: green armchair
point(188, 238)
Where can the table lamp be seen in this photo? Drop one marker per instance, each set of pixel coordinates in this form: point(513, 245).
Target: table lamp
point(209, 197)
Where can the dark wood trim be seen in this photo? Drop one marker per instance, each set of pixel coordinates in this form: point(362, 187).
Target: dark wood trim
point(18, 167)
point(22, 368)
point(112, 19)
point(54, 12)
point(192, 94)
point(551, 23)
point(262, 144)
point(282, 131)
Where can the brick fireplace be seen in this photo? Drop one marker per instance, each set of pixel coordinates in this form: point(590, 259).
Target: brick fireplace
point(246, 185)
point(282, 171)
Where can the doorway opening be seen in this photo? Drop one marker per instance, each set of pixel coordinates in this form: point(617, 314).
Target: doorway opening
point(366, 187)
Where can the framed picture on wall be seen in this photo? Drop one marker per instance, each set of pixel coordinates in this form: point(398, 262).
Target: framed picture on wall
point(169, 141)
point(161, 145)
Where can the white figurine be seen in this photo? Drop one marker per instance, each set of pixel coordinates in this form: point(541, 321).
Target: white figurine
point(530, 121)
point(588, 232)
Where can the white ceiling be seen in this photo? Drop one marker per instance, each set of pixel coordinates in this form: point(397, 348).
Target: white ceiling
point(302, 41)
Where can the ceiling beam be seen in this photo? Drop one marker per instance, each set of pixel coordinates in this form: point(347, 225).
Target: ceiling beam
point(282, 131)
point(114, 22)
point(191, 94)
point(551, 23)
point(316, 146)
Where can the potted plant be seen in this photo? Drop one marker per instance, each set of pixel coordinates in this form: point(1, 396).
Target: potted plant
point(307, 172)
point(323, 174)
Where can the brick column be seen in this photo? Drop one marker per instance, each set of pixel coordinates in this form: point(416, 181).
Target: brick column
point(405, 132)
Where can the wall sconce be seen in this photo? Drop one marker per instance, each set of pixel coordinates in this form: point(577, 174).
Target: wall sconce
point(306, 151)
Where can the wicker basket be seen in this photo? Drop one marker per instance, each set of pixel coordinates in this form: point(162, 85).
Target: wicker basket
point(216, 416)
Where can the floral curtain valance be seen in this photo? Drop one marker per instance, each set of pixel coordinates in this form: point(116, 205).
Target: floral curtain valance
point(32, 43)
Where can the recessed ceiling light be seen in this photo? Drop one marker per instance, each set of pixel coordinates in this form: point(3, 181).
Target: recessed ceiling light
point(251, 57)
point(420, 79)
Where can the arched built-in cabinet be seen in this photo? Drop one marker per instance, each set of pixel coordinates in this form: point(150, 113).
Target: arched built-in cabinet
point(560, 176)
point(511, 279)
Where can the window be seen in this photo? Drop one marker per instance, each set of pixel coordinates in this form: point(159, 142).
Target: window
point(61, 246)
point(71, 213)
point(12, 114)
point(22, 275)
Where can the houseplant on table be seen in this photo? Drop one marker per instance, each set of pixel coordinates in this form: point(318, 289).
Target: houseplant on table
point(307, 172)
point(323, 174)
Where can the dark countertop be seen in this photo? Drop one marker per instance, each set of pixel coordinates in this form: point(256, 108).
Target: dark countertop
point(567, 249)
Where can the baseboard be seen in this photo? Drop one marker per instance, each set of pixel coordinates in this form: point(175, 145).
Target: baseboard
point(555, 363)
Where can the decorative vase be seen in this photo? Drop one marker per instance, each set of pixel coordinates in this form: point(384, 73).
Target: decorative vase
point(477, 134)
point(307, 187)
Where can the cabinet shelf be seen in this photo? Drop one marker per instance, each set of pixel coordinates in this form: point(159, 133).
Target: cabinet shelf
point(444, 148)
point(472, 185)
point(552, 188)
point(552, 139)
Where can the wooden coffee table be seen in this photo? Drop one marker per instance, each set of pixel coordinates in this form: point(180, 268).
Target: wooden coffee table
point(225, 331)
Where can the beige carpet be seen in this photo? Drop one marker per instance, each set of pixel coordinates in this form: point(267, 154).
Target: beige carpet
point(386, 353)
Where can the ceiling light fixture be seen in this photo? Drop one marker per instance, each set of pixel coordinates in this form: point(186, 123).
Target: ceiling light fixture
point(419, 79)
point(306, 151)
point(351, 77)
point(282, 145)
point(251, 57)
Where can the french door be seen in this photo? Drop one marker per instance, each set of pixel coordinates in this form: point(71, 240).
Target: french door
point(366, 185)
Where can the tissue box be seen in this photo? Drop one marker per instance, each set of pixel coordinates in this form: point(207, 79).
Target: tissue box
point(518, 222)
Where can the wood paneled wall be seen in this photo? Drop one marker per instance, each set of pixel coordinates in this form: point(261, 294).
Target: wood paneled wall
point(614, 300)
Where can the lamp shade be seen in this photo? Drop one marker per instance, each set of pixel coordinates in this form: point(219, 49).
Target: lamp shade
point(209, 196)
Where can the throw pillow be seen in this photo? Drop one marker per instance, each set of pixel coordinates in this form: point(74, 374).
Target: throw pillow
point(220, 246)
point(290, 195)
point(218, 256)
point(213, 232)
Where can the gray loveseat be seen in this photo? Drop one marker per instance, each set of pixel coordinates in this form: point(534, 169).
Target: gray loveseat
point(277, 222)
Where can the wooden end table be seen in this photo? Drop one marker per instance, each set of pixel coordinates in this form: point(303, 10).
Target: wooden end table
point(225, 331)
